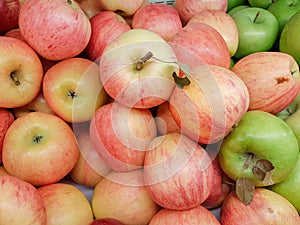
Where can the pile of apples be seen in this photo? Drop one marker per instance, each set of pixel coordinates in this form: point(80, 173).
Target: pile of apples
point(169, 112)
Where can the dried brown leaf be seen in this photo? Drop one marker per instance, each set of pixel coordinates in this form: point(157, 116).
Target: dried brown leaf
point(244, 190)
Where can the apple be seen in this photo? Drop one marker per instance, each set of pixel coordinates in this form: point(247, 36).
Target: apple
point(106, 221)
point(39, 148)
point(213, 102)
point(90, 168)
point(136, 69)
point(266, 208)
point(90, 7)
point(15, 33)
point(9, 15)
point(38, 104)
point(127, 8)
point(283, 10)
point(272, 79)
point(178, 172)
point(223, 23)
point(261, 3)
point(261, 148)
point(21, 73)
point(160, 18)
point(204, 41)
point(6, 119)
point(20, 202)
point(72, 85)
point(234, 3)
point(63, 36)
point(65, 204)
point(288, 36)
point(106, 26)
point(129, 129)
point(258, 30)
point(123, 196)
point(198, 215)
point(236, 9)
point(189, 8)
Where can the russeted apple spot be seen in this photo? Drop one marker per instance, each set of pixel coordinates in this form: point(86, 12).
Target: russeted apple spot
point(281, 80)
point(244, 190)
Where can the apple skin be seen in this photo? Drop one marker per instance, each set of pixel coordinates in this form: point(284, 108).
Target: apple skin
point(106, 26)
point(189, 8)
point(288, 36)
point(272, 79)
point(6, 119)
point(129, 129)
point(223, 23)
point(3, 171)
point(211, 104)
point(178, 172)
point(123, 196)
point(198, 215)
point(132, 83)
point(259, 135)
point(9, 15)
point(90, 7)
point(51, 39)
point(71, 85)
point(106, 221)
point(65, 204)
point(261, 3)
point(236, 9)
point(234, 3)
point(160, 18)
point(124, 8)
point(283, 10)
point(18, 59)
point(39, 148)
point(257, 33)
point(20, 202)
point(267, 207)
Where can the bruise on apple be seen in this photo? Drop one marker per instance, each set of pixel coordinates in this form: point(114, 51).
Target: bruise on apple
point(282, 79)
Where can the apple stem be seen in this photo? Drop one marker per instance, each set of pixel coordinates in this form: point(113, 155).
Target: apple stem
point(256, 16)
point(14, 77)
point(142, 60)
point(72, 94)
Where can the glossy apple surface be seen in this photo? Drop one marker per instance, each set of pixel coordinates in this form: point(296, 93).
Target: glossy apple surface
point(234, 3)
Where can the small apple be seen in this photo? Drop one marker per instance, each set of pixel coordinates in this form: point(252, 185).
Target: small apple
point(21, 73)
point(123, 196)
point(20, 202)
point(39, 148)
point(272, 79)
point(9, 15)
point(6, 119)
point(262, 148)
point(65, 204)
point(283, 10)
point(72, 85)
point(106, 221)
point(106, 26)
point(63, 36)
point(266, 208)
point(288, 37)
point(160, 18)
point(258, 30)
point(127, 8)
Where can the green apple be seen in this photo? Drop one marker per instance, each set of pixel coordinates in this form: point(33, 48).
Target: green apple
point(283, 10)
point(234, 3)
point(236, 9)
point(289, 38)
point(289, 110)
point(261, 3)
point(290, 187)
point(258, 30)
point(262, 148)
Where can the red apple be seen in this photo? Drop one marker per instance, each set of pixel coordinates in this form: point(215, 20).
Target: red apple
point(65, 204)
point(123, 196)
point(178, 172)
point(9, 15)
point(21, 73)
point(106, 221)
point(267, 207)
point(6, 119)
point(208, 108)
point(272, 79)
point(223, 23)
point(198, 215)
point(160, 18)
point(20, 202)
point(204, 41)
point(39, 148)
point(15, 33)
point(189, 8)
point(124, 8)
point(106, 26)
point(90, 7)
point(63, 36)
point(121, 135)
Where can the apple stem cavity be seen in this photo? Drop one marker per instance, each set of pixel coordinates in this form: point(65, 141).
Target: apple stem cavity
point(72, 94)
point(15, 79)
point(143, 60)
point(256, 16)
